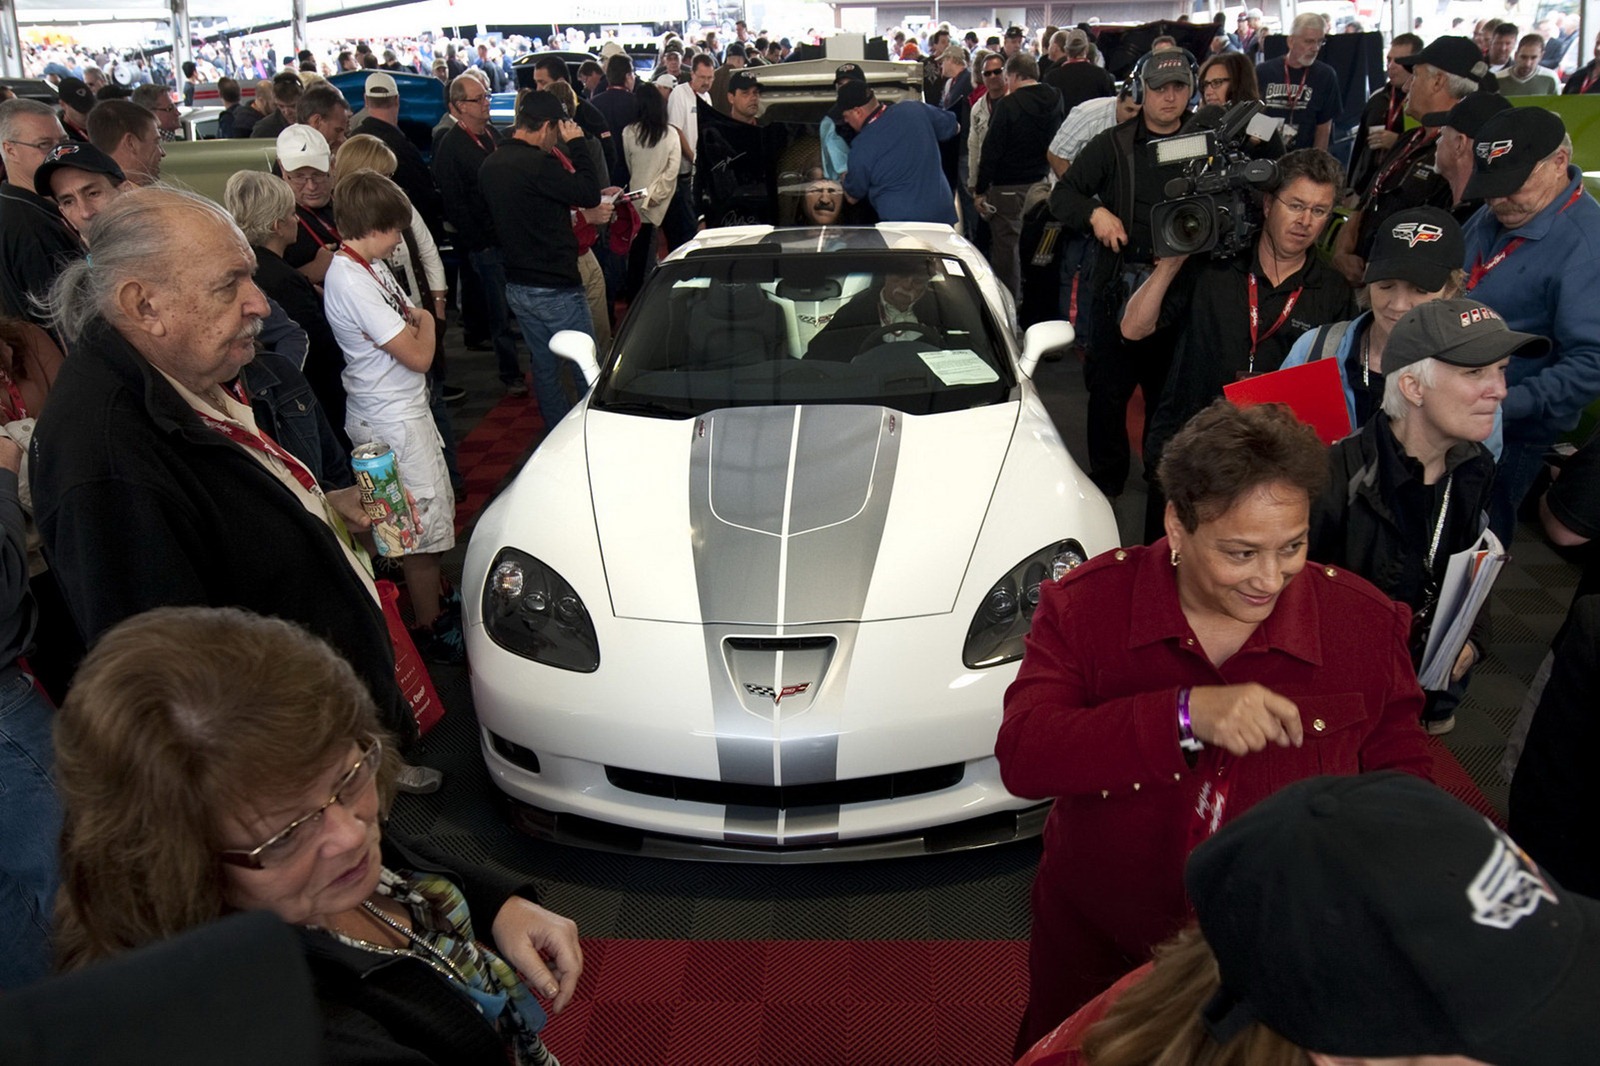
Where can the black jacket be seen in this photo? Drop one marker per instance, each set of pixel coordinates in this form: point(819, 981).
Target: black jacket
point(411, 173)
point(456, 160)
point(531, 196)
point(140, 505)
point(324, 367)
point(35, 243)
point(1355, 522)
point(1077, 82)
point(1020, 130)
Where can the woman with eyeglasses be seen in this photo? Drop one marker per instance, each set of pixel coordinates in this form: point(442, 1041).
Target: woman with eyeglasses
point(1226, 79)
point(211, 761)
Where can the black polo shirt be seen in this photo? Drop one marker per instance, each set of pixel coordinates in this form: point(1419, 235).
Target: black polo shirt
point(1407, 177)
point(1209, 303)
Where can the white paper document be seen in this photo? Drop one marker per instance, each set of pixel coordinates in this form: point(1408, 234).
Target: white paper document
point(1467, 581)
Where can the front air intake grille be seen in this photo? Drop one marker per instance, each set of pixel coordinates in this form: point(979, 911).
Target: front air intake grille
point(788, 797)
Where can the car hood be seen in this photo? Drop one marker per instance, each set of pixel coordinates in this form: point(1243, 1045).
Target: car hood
point(792, 515)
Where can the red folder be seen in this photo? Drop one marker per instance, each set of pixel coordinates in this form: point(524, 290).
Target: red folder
point(1312, 391)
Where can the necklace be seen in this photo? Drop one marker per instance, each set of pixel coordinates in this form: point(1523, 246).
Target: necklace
point(406, 931)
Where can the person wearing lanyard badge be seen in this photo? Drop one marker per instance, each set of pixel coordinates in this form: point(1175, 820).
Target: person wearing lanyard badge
point(1165, 690)
point(1383, 117)
point(1586, 79)
point(1442, 75)
point(1239, 317)
point(1301, 89)
point(306, 163)
point(1532, 254)
point(1409, 489)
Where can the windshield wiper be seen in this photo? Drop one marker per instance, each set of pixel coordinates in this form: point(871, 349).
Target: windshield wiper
point(649, 408)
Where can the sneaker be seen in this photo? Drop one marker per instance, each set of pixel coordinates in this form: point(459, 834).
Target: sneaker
point(1438, 727)
point(417, 780)
point(452, 393)
point(517, 388)
point(442, 642)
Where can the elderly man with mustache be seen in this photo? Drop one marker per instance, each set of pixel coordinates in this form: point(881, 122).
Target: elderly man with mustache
point(153, 484)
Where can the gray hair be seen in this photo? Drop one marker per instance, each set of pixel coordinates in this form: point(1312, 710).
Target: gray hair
point(12, 110)
point(1395, 405)
point(1307, 20)
point(151, 96)
point(134, 238)
point(258, 201)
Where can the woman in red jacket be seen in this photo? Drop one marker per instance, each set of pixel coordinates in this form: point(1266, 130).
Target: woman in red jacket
point(1166, 689)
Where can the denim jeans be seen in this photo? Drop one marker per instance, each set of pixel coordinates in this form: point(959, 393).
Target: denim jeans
point(1517, 471)
point(31, 814)
point(542, 313)
point(491, 272)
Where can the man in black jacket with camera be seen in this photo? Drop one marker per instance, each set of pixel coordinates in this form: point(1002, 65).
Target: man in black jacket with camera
point(1109, 192)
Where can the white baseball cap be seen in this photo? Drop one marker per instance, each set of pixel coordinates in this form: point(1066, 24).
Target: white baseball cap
point(381, 86)
point(301, 146)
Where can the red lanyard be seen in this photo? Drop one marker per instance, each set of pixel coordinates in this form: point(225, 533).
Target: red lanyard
point(1255, 318)
point(1594, 72)
point(396, 300)
point(1294, 101)
point(19, 410)
point(1397, 104)
point(266, 446)
point(329, 231)
point(1428, 135)
point(485, 149)
point(1480, 269)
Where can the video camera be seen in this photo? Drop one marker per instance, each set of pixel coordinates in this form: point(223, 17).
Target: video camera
point(1213, 207)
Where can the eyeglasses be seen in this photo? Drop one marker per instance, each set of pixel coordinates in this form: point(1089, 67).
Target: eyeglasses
point(995, 73)
point(42, 147)
point(315, 177)
point(473, 99)
point(1295, 207)
point(1216, 83)
point(287, 843)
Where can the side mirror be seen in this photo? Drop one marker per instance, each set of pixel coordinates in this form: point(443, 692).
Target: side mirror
point(579, 347)
point(1041, 339)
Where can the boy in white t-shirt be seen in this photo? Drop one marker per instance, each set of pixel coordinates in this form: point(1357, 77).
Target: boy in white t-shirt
point(388, 346)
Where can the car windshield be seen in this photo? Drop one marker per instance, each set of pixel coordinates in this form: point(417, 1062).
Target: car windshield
point(750, 327)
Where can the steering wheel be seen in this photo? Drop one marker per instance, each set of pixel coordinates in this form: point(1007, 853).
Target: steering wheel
point(900, 333)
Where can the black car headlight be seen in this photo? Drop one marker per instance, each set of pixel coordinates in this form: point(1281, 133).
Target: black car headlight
point(1006, 612)
point(530, 610)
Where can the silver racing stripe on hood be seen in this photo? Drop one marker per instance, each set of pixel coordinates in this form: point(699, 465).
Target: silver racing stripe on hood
point(788, 507)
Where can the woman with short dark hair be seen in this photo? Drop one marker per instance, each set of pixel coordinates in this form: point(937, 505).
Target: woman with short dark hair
point(1165, 689)
point(210, 761)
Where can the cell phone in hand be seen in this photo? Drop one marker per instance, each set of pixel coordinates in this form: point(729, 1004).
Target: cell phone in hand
point(631, 195)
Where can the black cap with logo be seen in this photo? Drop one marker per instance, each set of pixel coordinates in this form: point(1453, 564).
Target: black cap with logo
point(1422, 245)
point(1508, 146)
point(741, 80)
point(1165, 68)
point(1469, 115)
point(1453, 55)
point(1376, 916)
point(78, 157)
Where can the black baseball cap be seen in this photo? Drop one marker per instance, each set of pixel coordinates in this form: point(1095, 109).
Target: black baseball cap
point(76, 95)
point(1459, 332)
point(847, 72)
point(78, 157)
point(1422, 245)
point(537, 108)
point(1470, 113)
point(1376, 916)
point(1016, 31)
point(1508, 146)
point(740, 80)
point(854, 94)
point(1453, 55)
point(1165, 68)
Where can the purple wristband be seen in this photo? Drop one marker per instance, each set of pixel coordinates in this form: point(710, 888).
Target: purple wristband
point(1186, 738)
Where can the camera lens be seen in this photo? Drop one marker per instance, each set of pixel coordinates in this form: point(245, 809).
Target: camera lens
point(1187, 227)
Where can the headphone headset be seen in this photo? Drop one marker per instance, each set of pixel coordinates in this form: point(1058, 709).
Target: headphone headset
point(1135, 83)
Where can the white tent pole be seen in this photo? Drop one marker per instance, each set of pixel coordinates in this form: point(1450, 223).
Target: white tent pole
point(182, 43)
point(10, 40)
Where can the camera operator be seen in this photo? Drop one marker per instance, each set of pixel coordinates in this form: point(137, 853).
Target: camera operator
point(1238, 317)
point(1109, 192)
point(1442, 74)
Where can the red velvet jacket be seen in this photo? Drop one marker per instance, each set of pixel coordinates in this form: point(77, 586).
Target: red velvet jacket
point(1092, 719)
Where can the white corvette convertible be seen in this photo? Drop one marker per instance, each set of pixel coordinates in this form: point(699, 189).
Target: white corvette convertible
point(760, 594)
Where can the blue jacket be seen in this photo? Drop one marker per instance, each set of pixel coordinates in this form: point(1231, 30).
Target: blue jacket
point(894, 163)
point(1301, 354)
point(1546, 287)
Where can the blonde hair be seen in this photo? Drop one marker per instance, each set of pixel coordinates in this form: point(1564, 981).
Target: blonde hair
point(1158, 1021)
point(258, 201)
point(365, 152)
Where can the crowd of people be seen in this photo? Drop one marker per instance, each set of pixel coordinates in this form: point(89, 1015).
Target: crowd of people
point(190, 563)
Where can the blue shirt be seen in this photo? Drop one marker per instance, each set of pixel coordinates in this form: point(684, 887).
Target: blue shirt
point(894, 163)
point(1546, 287)
point(1304, 97)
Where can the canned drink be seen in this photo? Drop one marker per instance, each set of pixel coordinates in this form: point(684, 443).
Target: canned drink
point(384, 497)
